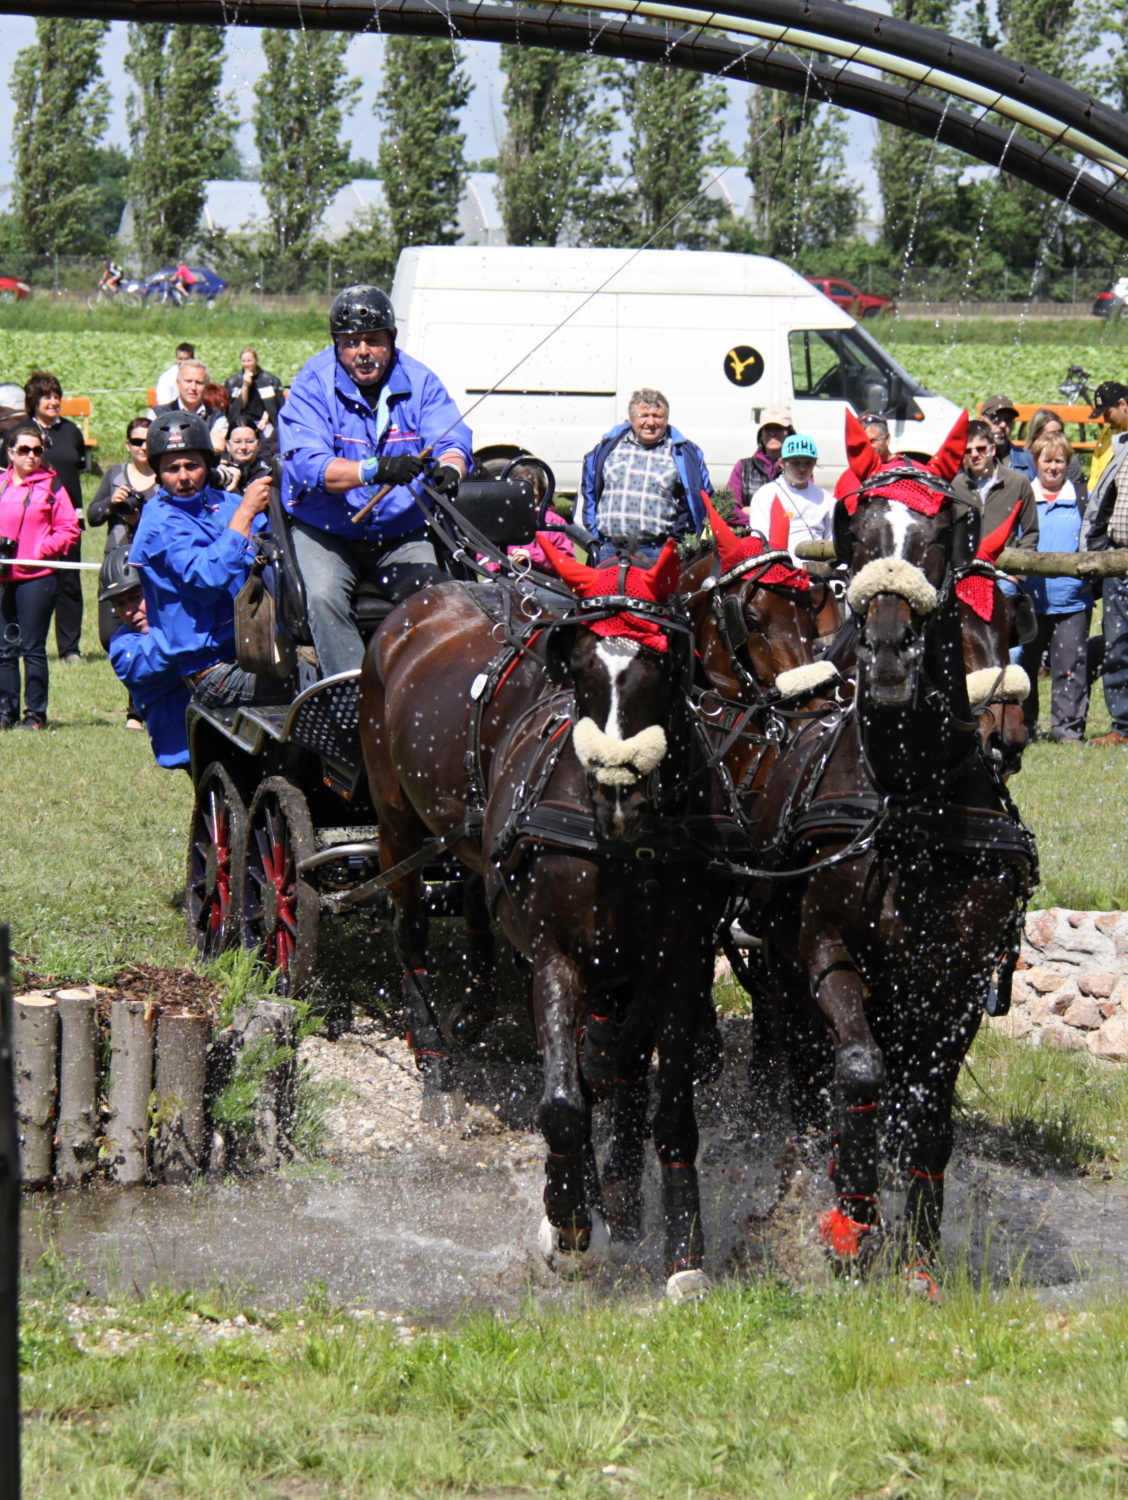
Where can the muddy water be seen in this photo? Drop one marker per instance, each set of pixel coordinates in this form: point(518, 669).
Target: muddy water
point(446, 1225)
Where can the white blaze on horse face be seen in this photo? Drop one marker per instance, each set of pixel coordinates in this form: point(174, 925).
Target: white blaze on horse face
point(901, 520)
point(616, 653)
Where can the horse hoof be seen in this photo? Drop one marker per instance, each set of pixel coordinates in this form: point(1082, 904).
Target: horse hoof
point(579, 1261)
point(688, 1286)
point(439, 1108)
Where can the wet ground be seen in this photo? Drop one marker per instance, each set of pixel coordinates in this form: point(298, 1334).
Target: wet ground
point(429, 1220)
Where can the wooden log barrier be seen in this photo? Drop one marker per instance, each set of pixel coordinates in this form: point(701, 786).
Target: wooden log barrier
point(181, 1121)
point(77, 1143)
point(36, 1027)
point(272, 1025)
point(1110, 564)
point(131, 1083)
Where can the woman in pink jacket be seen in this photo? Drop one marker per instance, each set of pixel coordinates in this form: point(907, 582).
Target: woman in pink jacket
point(37, 520)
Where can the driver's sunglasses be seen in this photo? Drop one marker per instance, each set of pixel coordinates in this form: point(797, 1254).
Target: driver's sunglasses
point(25, 452)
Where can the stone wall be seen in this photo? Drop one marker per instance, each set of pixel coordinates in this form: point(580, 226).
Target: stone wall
point(1071, 987)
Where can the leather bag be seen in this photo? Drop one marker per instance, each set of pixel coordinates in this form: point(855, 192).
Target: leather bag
point(260, 646)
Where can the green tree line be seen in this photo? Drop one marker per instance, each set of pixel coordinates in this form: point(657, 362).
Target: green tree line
point(593, 152)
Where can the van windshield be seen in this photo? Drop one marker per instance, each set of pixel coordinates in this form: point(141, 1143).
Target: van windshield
point(845, 364)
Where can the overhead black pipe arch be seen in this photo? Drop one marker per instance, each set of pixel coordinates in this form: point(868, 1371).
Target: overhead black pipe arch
point(846, 26)
point(700, 49)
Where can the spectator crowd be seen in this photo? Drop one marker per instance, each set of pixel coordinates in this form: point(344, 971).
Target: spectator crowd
point(193, 484)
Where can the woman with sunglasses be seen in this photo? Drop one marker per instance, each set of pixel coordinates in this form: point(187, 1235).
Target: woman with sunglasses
point(37, 521)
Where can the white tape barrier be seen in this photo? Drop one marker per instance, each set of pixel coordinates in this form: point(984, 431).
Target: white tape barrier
point(43, 562)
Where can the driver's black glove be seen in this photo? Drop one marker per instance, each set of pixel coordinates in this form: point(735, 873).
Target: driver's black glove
point(400, 468)
point(445, 479)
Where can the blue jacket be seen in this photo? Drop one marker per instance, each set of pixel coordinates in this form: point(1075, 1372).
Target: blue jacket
point(1059, 530)
point(1021, 461)
point(690, 463)
point(326, 417)
point(155, 685)
point(192, 565)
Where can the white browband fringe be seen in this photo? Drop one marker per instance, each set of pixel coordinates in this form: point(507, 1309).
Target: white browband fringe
point(799, 681)
point(891, 575)
point(990, 685)
point(618, 762)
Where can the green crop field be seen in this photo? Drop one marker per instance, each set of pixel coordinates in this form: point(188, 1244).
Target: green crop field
point(114, 355)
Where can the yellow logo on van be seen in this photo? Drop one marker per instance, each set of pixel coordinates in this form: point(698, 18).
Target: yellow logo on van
point(744, 365)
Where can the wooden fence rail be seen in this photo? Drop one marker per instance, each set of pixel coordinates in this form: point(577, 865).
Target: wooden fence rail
point(1111, 564)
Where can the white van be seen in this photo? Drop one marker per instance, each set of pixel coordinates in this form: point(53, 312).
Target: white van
point(542, 348)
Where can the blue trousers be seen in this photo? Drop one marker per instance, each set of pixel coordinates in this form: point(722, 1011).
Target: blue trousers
point(1115, 595)
point(25, 613)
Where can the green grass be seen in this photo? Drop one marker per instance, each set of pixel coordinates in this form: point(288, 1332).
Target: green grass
point(759, 1393)
point(1045, 1106)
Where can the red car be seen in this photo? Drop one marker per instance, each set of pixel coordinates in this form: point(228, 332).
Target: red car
point(12, 289)
point(858, 304)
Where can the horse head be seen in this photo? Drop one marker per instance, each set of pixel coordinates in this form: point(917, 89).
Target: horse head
point(628, 676)
point(757, 616)
point(901, 530)
point(989, 619)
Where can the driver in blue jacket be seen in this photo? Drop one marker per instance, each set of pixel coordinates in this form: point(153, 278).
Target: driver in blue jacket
point(193, 550)
point(358, 418)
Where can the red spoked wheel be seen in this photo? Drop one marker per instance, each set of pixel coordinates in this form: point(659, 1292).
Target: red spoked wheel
point(216, 850)
point(280, 908)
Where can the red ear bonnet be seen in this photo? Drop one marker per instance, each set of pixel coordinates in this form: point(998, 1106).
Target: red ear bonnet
point(655, 585)
point(991, 547)
point(977, 590)
point(742, 552)
point(945, 462)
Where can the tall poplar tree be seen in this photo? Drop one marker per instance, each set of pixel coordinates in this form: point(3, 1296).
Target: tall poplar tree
point(802, 201)
point(556, 153)
point(675, 137)
point(301, 101)
point(422, 158)
point(179, 127)
point(61, 108)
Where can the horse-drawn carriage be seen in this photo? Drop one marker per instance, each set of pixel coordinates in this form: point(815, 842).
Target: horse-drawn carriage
point(283, 829)
point(621, 765)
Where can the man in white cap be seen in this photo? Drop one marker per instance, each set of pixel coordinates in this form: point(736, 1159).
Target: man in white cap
point(749, 474)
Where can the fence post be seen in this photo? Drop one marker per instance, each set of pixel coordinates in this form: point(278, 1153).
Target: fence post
point(9, 1247)
point(1074, 283)
point(329, 276)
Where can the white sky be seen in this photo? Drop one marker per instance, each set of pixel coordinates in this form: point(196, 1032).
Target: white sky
point(483, 119)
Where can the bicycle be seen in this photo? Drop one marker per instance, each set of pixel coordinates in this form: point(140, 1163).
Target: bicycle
point(1075, 387)
point(124, 296)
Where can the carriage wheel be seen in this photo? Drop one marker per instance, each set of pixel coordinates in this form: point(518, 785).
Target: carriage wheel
point(280, 909)
point(216, 848)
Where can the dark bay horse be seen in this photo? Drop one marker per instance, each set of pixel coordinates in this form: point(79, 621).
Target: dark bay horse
point(886, 949)
point(567, 800)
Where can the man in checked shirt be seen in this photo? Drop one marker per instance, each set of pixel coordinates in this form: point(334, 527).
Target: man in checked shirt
point(642, 482)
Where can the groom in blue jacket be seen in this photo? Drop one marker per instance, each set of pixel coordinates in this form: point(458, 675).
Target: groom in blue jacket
point(360, 415)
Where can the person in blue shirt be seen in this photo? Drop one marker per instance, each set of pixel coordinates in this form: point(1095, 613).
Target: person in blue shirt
point(1001, 416)
point(141, 661)
point(360, 415)
point(193, 550)
point(1063, 606)
point(642, 482)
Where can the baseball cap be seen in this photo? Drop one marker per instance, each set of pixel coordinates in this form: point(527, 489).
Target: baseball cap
point(775, 416)
point(994, 406)
point(1107, 394)
point(798, 445)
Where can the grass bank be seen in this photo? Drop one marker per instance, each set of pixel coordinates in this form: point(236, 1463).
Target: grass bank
point(759, 1393)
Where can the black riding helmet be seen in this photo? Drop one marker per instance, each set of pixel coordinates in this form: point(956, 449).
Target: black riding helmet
point(116, 575)
point(178, 432)
point(362, 309)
